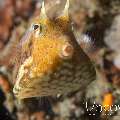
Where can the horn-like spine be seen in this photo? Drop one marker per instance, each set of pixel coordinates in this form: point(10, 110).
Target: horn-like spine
point(43, 12)
point(65, 11)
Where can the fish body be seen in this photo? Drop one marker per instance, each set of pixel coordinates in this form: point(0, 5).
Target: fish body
point(50, 60)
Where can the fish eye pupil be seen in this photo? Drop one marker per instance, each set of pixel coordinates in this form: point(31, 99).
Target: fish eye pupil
point(35, 27)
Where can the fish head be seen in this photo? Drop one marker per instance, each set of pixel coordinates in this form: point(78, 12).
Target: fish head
point(50, 45)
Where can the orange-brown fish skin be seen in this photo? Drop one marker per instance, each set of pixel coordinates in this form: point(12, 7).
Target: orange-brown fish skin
point(51, 61)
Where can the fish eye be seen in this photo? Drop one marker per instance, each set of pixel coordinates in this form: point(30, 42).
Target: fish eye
point(36, 26)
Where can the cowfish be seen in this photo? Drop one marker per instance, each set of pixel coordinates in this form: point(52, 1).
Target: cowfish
point(50, 60)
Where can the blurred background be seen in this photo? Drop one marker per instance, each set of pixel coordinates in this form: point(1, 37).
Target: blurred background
point(95, 20)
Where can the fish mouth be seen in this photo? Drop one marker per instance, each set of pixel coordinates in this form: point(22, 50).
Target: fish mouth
point(16, 91)
point(19, 93)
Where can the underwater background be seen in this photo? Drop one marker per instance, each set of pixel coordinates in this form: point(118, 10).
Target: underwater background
point(97, 21)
